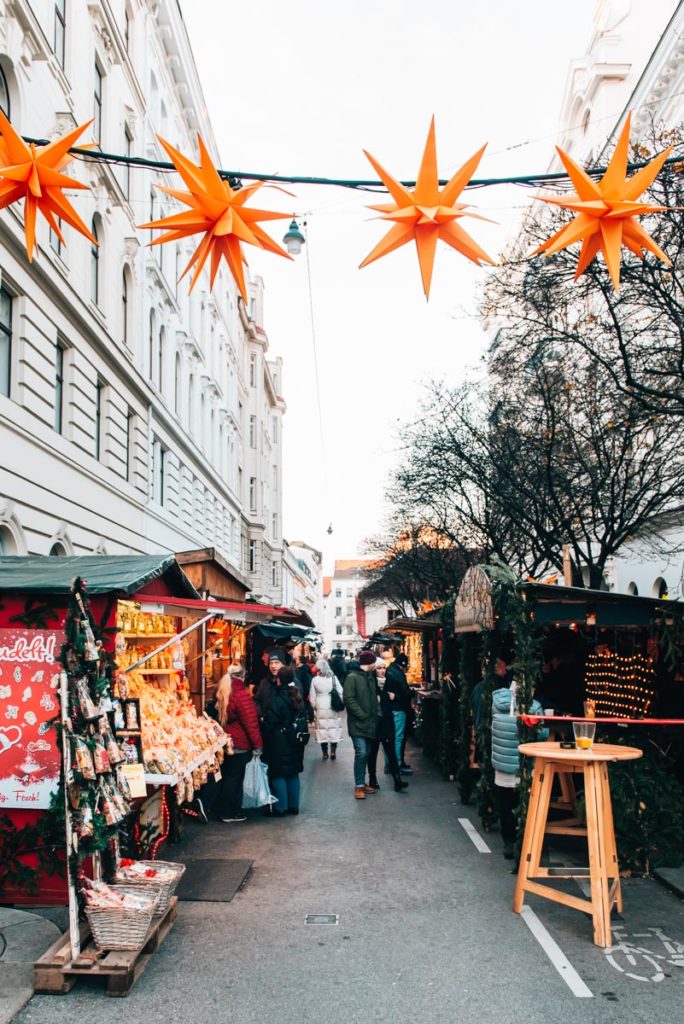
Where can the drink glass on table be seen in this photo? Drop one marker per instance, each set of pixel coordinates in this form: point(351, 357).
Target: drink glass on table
point(584, 734)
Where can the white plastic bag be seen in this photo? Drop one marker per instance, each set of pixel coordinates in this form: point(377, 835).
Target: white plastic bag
point(255, 788)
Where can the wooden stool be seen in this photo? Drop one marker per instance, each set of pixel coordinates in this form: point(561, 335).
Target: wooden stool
point(602, 872)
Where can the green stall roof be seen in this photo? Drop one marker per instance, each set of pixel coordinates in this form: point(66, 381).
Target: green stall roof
point(124, 575)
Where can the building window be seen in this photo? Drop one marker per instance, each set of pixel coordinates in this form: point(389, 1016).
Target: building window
point(59, 386)
point(338, 612)
point(252, 369)
point(252, 431)
point(57, 550)
point(350, 591)
point(150, 340)
point(252, 494)
point(274, 574)
point(95, 263)
point(338, 630)
point(275, 526)
point(60, 31)
point(129, 442)
point(251, 557)
point(99, 388)
point(160, 358)
point(338, 593)
point(55, 240)
point(274, 429)
point(128, 149)
point(124, 307)
point(5, 341)
point(97, 106)
point(159, 456)
point(4, 95)
point(127, 30)
point(177, 384)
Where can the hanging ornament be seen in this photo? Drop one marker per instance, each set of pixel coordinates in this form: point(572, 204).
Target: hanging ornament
point(32, 173)
point(427, 214)
point(606, 210)
point(217, 211)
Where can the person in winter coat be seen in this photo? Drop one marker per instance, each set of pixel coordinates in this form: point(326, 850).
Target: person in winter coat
point(361, 700)
point(328, 722)
point(237, 713)
point(281, 704)
point(303, 676)
point(505, 756)
point(384, 734)
point(338, 665)
point(401, 707)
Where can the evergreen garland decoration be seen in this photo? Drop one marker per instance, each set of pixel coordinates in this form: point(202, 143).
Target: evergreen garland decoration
point(37, 614)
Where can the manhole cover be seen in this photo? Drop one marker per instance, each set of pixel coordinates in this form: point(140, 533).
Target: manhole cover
point(322, 919)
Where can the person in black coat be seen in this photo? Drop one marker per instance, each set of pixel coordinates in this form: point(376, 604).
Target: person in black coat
point(280, 704)
point(384, 735)
point(338, 665)
point(397, 684)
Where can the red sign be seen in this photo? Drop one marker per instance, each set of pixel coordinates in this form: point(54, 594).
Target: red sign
point(29, 701)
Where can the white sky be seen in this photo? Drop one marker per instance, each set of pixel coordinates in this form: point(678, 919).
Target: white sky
point(301, 87)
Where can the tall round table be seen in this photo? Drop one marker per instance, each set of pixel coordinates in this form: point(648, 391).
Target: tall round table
point(603, 872)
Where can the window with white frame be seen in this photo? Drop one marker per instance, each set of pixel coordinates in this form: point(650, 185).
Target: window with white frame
point(274, 429)
point(252, 494)
point(275, 525)
point(274, 573)
point(5, 341)
point(252, 556)
point(97, 105)
point(59, 42)
point(60, 349)
point(252, 369)
point(252, 431)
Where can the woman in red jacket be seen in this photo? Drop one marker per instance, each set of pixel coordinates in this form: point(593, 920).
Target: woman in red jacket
point(237, 713)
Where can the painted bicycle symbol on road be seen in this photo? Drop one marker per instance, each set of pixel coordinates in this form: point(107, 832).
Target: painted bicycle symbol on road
point(625, 954)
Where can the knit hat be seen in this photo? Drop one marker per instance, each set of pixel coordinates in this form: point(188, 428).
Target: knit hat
point(367, 658)
point(276, 656)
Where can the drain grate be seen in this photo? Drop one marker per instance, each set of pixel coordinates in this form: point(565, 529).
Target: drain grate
point(322, 919)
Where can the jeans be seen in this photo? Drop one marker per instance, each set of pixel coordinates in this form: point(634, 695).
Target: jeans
point(507, 802)
point(287, 793)
point(390, 759)
point(361, 751)
point(399, 741)
point(228, 803)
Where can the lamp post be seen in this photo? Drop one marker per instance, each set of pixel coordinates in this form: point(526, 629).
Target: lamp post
point(294, 239)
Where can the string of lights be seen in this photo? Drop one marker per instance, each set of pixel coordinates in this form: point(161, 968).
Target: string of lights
point(235, 178)
point(620, 685)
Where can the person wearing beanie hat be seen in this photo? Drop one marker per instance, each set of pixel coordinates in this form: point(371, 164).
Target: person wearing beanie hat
point(361, 701)
point(397, 684)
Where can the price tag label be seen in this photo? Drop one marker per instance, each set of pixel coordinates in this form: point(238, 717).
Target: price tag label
point(134, 775)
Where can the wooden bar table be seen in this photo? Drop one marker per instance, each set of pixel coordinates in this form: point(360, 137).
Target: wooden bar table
point(603, 873)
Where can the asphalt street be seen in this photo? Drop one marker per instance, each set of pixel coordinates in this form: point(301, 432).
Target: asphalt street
point(425, 929)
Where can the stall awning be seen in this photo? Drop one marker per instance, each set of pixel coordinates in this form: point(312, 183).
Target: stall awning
point(237, 611)
point(282, 631)
point(406, 625)
point(105, 574)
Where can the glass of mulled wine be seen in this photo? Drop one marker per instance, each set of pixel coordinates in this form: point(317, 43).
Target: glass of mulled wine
point(584, 734)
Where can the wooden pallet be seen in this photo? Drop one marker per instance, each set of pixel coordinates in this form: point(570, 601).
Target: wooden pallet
point(56, 973)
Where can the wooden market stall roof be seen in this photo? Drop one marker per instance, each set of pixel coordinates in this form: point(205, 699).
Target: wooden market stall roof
point(124, 575)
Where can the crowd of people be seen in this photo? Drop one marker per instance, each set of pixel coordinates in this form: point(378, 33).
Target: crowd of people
point(271, 718)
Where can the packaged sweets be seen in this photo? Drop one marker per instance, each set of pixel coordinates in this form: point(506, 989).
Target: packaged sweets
point(83, 760)
point(100, 757)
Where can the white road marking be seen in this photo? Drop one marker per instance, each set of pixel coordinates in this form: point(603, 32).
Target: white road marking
point(556, 955)
point(474, 835)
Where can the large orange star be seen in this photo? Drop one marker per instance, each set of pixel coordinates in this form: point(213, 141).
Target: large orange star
point(427, 214)
point(32, 173)
point(219, 212)
point(607, 210)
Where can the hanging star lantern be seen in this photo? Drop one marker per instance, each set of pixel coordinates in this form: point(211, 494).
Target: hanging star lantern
point(219, 213)
point(33, 173)
point(426, 214)
point(606, 211)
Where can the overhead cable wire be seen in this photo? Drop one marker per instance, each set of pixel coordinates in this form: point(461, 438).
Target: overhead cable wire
point(362, 184)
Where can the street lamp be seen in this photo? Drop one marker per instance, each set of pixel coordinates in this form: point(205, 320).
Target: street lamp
point(294, 239)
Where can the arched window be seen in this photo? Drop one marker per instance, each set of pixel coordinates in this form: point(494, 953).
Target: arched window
point(124, 307)
point(151, 341)
point(633, 589)
point(203, 420)
point(661, 589)
point(177, 385)
point(160, 359)
point(57, 550)
point(4, 95)
point(95, 262)
point(7, 543)
point(191, 403)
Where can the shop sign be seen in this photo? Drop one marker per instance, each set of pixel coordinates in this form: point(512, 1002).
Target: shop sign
point(474, 609)
point(30, 759)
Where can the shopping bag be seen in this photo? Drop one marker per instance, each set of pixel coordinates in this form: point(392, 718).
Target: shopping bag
point(255, 788)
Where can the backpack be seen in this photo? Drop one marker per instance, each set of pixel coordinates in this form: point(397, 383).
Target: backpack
point(298, 729)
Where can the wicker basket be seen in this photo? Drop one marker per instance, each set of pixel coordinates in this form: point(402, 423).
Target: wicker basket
point(120, 927)
point(150, 886)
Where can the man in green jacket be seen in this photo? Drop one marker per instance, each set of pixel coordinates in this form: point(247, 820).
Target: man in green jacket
point(361, 700)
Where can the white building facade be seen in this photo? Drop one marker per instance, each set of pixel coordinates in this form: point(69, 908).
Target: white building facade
point(126, 402)
point(347, 620)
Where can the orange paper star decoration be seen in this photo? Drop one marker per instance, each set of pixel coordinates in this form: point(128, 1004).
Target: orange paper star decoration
point(219, 212)
point(32, 173)
point(606, 211)
point(426, 214)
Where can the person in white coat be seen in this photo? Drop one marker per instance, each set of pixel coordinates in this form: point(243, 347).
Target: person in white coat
point(328, 722)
